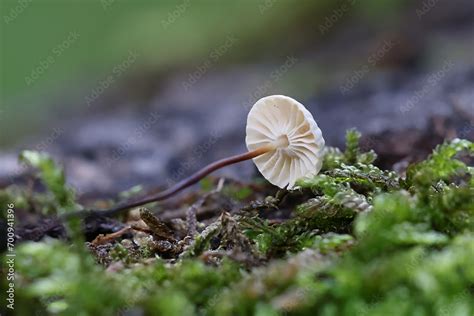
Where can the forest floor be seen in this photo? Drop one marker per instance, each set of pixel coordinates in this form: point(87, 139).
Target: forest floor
point(355, 239)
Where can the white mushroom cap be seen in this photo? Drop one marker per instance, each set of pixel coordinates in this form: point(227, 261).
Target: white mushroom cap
point(285, 124)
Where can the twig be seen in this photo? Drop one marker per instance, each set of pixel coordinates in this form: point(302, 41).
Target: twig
point(103, 239)
point(191, 213)
point(142, 229)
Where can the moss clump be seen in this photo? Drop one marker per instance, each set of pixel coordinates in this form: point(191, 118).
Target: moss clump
point(357, 240)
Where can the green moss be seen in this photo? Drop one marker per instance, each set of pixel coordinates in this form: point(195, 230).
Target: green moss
point(61, 198)
point(361, 241)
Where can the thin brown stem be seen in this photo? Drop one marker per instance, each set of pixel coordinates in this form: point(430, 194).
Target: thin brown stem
point(178, 186)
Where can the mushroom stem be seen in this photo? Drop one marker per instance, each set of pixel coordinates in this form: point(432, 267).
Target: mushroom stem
point(194, 178)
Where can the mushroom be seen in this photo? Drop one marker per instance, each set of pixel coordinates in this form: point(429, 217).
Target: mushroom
point(283, 140)
point(284, 124)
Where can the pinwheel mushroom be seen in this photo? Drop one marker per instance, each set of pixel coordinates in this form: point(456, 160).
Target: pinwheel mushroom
point(284, 125)
point(283, 140)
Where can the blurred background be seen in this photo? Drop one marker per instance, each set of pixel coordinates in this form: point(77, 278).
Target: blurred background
point(129, 92)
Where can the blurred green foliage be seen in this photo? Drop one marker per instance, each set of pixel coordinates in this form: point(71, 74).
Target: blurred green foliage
point(56, 198)
point(62, 197)
point(55, 53)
